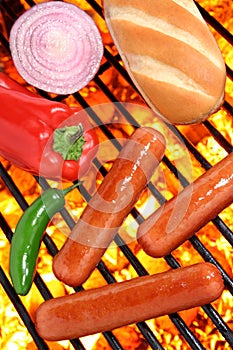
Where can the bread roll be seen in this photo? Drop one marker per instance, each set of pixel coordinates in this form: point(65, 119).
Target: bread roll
point(171, 56)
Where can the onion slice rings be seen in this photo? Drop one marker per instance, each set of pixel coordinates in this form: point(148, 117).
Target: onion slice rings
point(56, 47)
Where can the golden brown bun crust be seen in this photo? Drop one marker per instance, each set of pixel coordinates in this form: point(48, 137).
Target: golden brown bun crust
point(165, 46)
point(177, 103)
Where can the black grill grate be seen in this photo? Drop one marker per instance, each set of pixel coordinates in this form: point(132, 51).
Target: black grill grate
point(188, 334)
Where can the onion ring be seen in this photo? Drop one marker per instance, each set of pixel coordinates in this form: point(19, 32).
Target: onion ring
point(56, 47)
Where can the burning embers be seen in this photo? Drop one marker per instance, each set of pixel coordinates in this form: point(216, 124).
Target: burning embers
point(119, 265)
point(14, 333)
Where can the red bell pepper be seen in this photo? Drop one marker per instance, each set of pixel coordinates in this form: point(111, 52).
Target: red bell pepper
point(8, 83)
point(44, 137)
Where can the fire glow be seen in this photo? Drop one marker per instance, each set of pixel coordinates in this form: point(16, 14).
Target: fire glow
point(14, 334)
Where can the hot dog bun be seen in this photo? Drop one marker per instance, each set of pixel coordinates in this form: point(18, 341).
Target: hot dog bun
point(171, 56)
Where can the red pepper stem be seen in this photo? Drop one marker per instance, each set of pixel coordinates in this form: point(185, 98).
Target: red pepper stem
point(77, 135)
point(70, 188)
point(69, 141)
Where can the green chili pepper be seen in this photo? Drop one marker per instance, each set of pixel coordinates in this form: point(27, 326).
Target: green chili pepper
point(28, 234)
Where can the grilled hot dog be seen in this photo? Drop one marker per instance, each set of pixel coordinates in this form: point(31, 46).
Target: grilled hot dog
point(107, 209)
point(171, 56)
point(109, 307)
point(183, 215)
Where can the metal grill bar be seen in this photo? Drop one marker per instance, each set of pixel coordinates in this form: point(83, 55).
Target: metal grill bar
point(215, 24)
point(226, 232)
point(191, 339)
point(21, 310)
point(148, 334)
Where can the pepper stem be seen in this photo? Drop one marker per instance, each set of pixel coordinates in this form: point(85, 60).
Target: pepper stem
point(69, 141)
point(70, 188)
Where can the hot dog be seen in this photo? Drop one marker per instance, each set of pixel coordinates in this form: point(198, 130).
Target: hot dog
point(171, 56)
point(109, 206)
point(142, 298)
point(183, 215)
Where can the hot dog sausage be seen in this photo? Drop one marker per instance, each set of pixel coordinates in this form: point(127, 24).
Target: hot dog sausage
point(183, 215)
point(109, 206)
point(109, 307)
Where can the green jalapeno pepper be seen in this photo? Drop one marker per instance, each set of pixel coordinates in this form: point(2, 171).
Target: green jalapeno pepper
point(28, 234)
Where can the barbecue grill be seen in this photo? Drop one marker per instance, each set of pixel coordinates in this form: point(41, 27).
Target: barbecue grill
point(112, 84)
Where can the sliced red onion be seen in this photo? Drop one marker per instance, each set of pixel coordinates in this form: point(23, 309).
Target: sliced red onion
point(56, 47)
